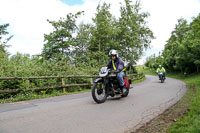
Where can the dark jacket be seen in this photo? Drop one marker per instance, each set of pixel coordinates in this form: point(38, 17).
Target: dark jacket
point(119, 64)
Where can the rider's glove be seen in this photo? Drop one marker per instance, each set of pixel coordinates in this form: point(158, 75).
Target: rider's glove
point(112, 71)
point(116, 71)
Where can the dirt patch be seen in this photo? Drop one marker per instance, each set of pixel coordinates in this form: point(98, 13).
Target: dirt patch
point(162, 122)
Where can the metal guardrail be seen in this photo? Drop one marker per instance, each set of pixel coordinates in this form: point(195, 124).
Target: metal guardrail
point(64, 85)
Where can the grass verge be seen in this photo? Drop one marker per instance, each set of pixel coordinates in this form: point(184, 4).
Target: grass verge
point(34, 95)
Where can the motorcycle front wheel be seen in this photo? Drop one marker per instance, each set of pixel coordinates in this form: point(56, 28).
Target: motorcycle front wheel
point(162, 80)
point(98, 92)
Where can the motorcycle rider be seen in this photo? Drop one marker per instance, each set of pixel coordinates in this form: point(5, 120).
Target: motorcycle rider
point(161, 69)
point(117, 64)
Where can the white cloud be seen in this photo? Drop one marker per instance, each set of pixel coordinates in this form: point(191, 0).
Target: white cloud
point(27, 19)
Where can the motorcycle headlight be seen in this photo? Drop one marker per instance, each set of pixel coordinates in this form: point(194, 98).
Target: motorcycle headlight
point(103, 70)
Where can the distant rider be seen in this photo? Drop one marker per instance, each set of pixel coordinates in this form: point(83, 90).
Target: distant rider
point(117, 64)
point(161, 69)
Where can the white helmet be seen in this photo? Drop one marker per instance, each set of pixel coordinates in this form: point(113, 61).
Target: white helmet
point(113, 52)
point(160, 66)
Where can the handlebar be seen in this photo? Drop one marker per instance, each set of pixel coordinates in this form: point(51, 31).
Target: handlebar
point(112, 71)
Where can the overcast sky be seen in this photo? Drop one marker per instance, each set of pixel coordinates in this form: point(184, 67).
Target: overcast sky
point(28, 19)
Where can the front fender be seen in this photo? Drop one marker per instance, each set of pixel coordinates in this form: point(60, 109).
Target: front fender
point(98, 80)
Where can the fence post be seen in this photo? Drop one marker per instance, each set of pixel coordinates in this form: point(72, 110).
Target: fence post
point(28, 84)
point(91, 81)
point(63, 83)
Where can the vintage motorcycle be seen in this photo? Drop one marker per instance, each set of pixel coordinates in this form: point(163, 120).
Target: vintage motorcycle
point(107, 85)
point(161, 77)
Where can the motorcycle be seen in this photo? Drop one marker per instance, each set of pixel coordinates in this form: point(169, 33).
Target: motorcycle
point(161, 77)
point(107, 85)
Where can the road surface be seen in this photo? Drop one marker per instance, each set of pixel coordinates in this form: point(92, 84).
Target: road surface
point(80, 114)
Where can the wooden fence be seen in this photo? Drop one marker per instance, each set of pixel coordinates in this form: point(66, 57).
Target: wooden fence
point(64, 85)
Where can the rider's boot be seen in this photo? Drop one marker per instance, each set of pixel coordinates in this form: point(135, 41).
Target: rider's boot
point(122, 89)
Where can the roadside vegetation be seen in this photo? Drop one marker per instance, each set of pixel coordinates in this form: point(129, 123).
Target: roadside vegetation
point(42, 94)
point(191, 121)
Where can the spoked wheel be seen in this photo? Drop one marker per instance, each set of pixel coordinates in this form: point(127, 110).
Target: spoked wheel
point(98, 92)
point(126, 92)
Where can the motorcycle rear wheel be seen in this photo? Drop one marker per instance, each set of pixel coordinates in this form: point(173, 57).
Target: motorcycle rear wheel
point(98, 92)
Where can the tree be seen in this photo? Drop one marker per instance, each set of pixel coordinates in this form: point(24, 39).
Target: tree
point(102, 34)
point(82, 42)
point(174, 51)
point(129, 34)
point(59, 42)
point(134, 35)
point(3, 46)
point(193, 42)
point(3, 41)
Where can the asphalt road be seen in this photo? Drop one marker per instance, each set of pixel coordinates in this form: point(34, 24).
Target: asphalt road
point(80, 114)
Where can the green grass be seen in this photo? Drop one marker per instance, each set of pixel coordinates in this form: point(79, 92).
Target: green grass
point(42, 94)
point(139, 80)
point(147, 71)
point(190, 122)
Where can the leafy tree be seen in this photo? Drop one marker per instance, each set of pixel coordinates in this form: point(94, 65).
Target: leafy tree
point(82, 42)
point(102, 34)
point(192, 43)
point(153, 62)
point(174, 52)
point(59, 42)
point(129, 34)
point(3, 32)
point(3, 46)
point(134, 35)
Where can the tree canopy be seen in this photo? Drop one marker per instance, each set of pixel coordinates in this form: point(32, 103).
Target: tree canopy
point(89, 44)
